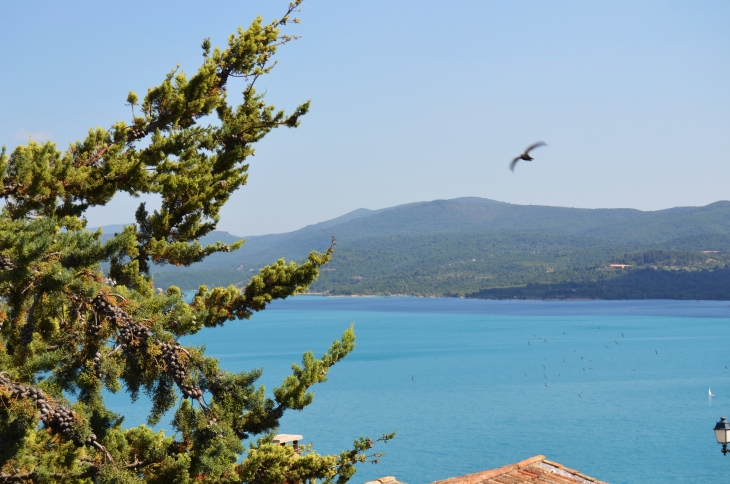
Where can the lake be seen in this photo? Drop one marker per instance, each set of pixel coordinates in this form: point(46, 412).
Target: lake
point(615, 389)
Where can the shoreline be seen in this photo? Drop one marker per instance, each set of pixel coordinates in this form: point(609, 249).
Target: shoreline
point(501, 299)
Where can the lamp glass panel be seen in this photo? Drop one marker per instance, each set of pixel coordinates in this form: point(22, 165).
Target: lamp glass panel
point(722, 436)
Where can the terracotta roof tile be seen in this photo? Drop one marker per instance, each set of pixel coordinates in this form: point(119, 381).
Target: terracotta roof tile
point(536, 470)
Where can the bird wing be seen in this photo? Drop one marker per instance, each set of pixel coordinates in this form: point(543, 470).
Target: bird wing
point(535, 145)
point(514, 162)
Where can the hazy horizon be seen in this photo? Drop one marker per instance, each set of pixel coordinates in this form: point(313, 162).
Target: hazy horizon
point(95, 226)
point(409, 103)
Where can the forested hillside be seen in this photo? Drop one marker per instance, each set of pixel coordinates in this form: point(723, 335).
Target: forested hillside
point(484, 248)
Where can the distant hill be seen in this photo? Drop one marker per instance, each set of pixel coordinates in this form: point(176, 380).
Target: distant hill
point(471, 245)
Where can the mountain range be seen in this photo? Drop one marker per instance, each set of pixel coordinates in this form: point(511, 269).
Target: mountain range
point(484, 248)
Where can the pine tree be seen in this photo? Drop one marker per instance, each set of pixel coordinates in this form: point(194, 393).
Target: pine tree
point(70, 330)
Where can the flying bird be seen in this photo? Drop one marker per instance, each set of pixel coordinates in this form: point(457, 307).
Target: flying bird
point(526, 155)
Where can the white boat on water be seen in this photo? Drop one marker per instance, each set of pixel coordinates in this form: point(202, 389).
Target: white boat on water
point(709, 392)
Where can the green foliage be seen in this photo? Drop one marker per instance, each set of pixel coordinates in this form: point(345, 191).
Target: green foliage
point(459, 247)
point(638, 283)
point(69, 332)
point(502, 265)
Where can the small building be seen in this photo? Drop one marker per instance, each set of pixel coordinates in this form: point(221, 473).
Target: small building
point(619, 266)
point(283, 439)
point(533, 470)
point(385, 480)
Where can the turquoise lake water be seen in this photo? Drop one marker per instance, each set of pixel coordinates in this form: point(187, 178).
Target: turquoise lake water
point(466, 392)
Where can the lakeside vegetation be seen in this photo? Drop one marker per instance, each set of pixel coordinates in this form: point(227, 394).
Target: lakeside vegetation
point(482, 248)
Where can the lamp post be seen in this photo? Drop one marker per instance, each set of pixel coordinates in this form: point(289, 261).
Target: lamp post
point(722, 434)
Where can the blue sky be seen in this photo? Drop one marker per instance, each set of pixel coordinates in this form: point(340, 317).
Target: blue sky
point(411, 100)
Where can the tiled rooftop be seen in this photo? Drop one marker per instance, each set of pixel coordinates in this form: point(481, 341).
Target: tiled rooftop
point(534, 470)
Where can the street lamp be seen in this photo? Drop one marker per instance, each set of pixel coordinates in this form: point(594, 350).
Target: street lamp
point(722, 434)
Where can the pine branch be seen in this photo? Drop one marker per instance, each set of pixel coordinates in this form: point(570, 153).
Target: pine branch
point(69, 329)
